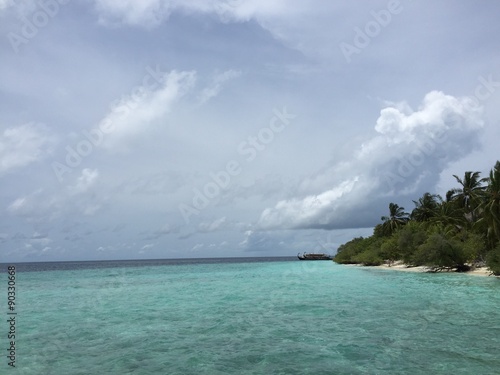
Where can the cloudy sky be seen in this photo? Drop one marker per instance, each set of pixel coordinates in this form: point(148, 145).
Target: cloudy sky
point(213, 128)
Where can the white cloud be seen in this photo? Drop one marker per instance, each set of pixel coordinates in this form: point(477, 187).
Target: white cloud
point(5, 4)
point(198, 246)
point(214, 89)
point(136, 112)
point(131, 12)
point(24, 144)
point(310, 211)
point(404, 158)
point(150, 13)
point(85, 181)
point(262, 241)
point(42, 205)
point(213, 225)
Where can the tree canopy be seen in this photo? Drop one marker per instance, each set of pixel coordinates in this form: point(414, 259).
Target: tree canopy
point(459, 232)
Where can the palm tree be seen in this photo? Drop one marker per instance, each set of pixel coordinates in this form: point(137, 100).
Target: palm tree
point(426, 207)
point(396, 219)
point(449, 217)
point(470, 193)
point(449, 195)
point(491, 205)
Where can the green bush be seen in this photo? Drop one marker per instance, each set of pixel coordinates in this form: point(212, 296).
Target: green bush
point(474, 246)
point(347, 252)
point(409, 238)
point(493, 260)
point(389, 249)
point(371, 254)
point(439, 251)
point(361, 250)
point(369, 257)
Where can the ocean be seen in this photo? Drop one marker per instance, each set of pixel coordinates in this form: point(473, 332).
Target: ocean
point(248, 316)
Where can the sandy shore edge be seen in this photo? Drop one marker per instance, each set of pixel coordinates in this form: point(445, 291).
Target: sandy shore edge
point(399, 266)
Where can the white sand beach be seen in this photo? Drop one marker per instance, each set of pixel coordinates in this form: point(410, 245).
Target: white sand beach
point(400, 266)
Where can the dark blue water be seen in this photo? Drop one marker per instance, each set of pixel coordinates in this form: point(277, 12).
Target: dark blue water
point(81, 265)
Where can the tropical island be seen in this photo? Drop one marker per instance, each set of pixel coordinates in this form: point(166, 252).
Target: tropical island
point(458, 233)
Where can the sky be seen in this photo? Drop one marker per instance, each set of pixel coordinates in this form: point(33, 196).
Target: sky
point(146, 129)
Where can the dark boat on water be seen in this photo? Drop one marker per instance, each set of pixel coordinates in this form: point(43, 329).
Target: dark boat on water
point(314, 256)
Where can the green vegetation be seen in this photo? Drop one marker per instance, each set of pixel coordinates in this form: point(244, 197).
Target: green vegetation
point(458, 233)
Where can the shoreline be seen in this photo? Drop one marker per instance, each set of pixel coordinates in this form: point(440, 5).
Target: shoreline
point(400, 266)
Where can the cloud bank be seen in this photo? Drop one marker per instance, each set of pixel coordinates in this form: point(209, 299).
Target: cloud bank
point(406, 156)
point(150, 13)
point(145, 101)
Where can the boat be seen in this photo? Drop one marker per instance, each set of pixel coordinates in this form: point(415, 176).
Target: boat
point(314, 256)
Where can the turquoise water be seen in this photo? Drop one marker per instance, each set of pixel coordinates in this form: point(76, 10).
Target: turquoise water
point(284, 317)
